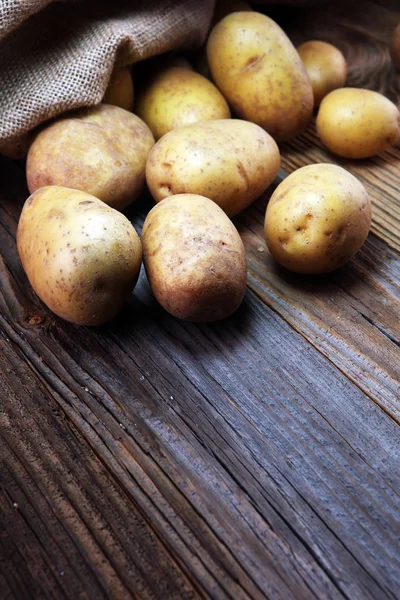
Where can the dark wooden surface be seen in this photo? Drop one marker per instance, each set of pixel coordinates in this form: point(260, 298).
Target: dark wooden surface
point(254, 458)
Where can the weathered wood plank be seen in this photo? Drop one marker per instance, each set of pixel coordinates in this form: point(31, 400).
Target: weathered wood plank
point(352, 316)
point(237, 447)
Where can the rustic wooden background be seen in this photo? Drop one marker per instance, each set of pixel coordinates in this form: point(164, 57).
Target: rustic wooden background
point(253, 458)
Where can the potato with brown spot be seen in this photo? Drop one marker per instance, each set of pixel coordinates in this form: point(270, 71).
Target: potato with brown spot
point(120, 91)
point(230, 161)
point(317, 219)
point(261, 75)
point(177, 96)
point(357, 123)
point(194, 258)
point(81, 257)
point(100, 150)
point(326, 67)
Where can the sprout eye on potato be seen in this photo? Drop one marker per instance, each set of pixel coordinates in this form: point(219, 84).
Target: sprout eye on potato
point(81, 257)
point(194, 258)
point(100, 150)
point(175, 97)
point(260, 73)
point(357, 123)
point(232, 162)
point(317, 219)
point(325, 65)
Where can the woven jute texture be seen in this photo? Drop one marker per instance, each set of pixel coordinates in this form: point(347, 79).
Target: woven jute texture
point(57, 56)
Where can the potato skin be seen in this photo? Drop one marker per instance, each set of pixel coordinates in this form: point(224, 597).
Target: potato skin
point(176, 97)
point(232, 162)
point(194, 258)
point(317, 219)
point(260, 73)
point(120, 91)
point(325, 65)
point(81, 257)
point(100, 150)
point(357, 123)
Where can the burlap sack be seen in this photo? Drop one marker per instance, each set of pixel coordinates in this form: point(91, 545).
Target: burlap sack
point(57, 56)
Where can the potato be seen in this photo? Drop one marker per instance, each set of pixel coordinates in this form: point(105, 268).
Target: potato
point(100, 150)
point(81, 257)
point(232, 162)
point(194, 258)
point(176, 97)
point(326, 67)
point(260, 73)
point(17, 148)
point(394, 47)
point(317, 219)
point(120, 91)
point(357, 123)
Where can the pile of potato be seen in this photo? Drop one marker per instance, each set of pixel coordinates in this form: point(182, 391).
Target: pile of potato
point(82, 256)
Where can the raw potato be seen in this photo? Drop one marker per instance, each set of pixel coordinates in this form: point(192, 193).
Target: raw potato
point(176, 97)
point(317, 219)
point(120, 91)
point(357, 123)
point(260, 73)
point(395, 47)
point(326, 67)
point(100, 150)
point(194, 258)
point(232, 162)
point(81, 257)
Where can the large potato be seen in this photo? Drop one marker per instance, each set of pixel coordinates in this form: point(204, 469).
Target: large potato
point(100, 150)
point(120, 91)
point(317, 219)
point(194, 258)
point(325, 65)
point(229, 161)
point(81, 257)
point(175, 97)
point(260, 73)
point(357, 123)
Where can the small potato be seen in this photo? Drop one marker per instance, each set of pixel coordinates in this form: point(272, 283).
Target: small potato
point(176, 97)
point(194, 258)
point(100, 150)
point(17, 148)
point(394, 47)
point(232, 162)
point(357, 123)
point(317, 219)
point(81, 257)
point(120, 91)
point(326, 67)
point(261, 75)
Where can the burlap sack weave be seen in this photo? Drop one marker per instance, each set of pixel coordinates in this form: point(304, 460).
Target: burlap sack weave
point(57, 56)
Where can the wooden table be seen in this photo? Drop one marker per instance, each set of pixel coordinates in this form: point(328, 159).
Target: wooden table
point(252, 458)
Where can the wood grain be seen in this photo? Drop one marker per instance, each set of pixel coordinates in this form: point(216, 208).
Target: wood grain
point(256, 458)
point(223, 452)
